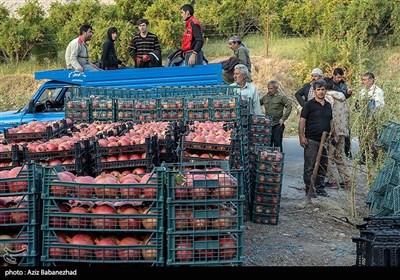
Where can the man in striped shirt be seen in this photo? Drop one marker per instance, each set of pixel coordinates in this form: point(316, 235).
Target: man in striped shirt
point(145, 48)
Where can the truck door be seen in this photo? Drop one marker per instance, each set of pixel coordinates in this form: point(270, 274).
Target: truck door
point(48, 106)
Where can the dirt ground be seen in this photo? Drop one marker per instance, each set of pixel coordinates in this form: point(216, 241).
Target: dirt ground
point(315, 234)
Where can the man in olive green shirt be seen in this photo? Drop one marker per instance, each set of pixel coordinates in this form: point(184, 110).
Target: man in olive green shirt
point(275, 104)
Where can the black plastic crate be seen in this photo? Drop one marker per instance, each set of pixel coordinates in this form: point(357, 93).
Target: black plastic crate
point(100, 166)
point(268, 219)
point(78, 151)
point(378, 250)
point(18, 137)
point(141, 249)
point(100, 151)
point(205, 249)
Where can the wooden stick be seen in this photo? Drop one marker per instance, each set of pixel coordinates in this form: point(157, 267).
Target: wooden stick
point(316, 166)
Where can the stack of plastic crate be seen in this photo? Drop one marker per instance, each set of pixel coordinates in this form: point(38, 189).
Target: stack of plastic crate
point(379, 242)
point(267, 174)
point(19, 212)
point(204, 215)
point(112, 223)
point(10, 156)
point(384, 195)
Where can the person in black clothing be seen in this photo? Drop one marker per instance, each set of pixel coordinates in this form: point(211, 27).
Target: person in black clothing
point(109, 60)
point(145, 48)
point(306, 93)
point(315, 118)
point(340, 85)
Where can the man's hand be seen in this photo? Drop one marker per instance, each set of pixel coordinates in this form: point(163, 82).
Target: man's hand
point(80, 69)
point(303, 142)
point(349, 91)
point(138, 60)
point(281, 122)
point(192, 59)
point(146, 58)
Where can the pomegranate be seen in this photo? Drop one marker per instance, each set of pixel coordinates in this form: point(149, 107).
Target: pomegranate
point(149, 254)
point(184, 251)
point(183, 219)
point(225, 220)
point(57, 252)
point(106, 192)
point(202, 242)
point(130, 191)
point(104, 253)
point(20, 217)
point(103, 222)
point(149, 223)
point(18, 186)
point(83, 191)
point(225, 192)
point(128, 254)
point(128, 223)
point(61, 191)
point(80, 239)
point(77, 221)
point(5, 217)
point(228, 247)
point(59, 222)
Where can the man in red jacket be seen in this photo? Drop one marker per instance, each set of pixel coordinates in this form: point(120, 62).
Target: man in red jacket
point(192, 40)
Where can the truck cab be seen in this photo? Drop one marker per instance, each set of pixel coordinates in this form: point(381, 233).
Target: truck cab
point(48, 103)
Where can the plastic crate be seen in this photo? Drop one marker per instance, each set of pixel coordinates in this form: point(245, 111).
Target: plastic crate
point(203, 184)
point(18, 137)
point(268, 219)
point(205, 249)
point(22, 249)
point(205, 217)
point(394, 150)
point(100, 151)
point(100, 166)
point(24, 184)
point(389, 132)
point(78, 151)
point(378, 248)
point(137, 222)
point(149, 250)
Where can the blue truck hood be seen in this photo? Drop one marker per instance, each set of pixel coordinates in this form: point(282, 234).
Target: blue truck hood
point(9, 119)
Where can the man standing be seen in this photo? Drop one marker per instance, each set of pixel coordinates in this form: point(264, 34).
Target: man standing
point(315, 118)
point(340, 85)
point(247, 90)
point(192, 40)
point(275, 104)
point(145, 48)
point(340, 114)
point(373, 99)
point(241, 55)
point(306, 93)
point(77, 54)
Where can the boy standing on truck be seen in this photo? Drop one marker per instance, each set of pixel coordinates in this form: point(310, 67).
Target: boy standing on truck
point(192, 40)
point(77, 55)
point(145, 48)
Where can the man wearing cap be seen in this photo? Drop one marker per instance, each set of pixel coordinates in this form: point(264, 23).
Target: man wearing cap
point(145, 48)
point(192, 40)
point(241, 55)
point(306, 93)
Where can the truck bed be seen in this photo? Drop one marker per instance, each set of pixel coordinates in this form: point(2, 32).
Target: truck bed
point(198, 75)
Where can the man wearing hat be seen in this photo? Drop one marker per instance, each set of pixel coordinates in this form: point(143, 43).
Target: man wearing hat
point(241, 56)
point(306, 93)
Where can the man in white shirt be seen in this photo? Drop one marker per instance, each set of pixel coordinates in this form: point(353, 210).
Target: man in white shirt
point(372, 92)
point(77, 55)
point(374, 98)
point(247, 90)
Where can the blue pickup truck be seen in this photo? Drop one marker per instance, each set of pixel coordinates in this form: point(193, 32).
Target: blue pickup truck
point(47, 104)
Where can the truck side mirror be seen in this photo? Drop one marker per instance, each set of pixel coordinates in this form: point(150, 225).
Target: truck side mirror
point(31, 108)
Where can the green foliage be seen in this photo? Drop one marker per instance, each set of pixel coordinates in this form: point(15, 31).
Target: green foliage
point(131, 10)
